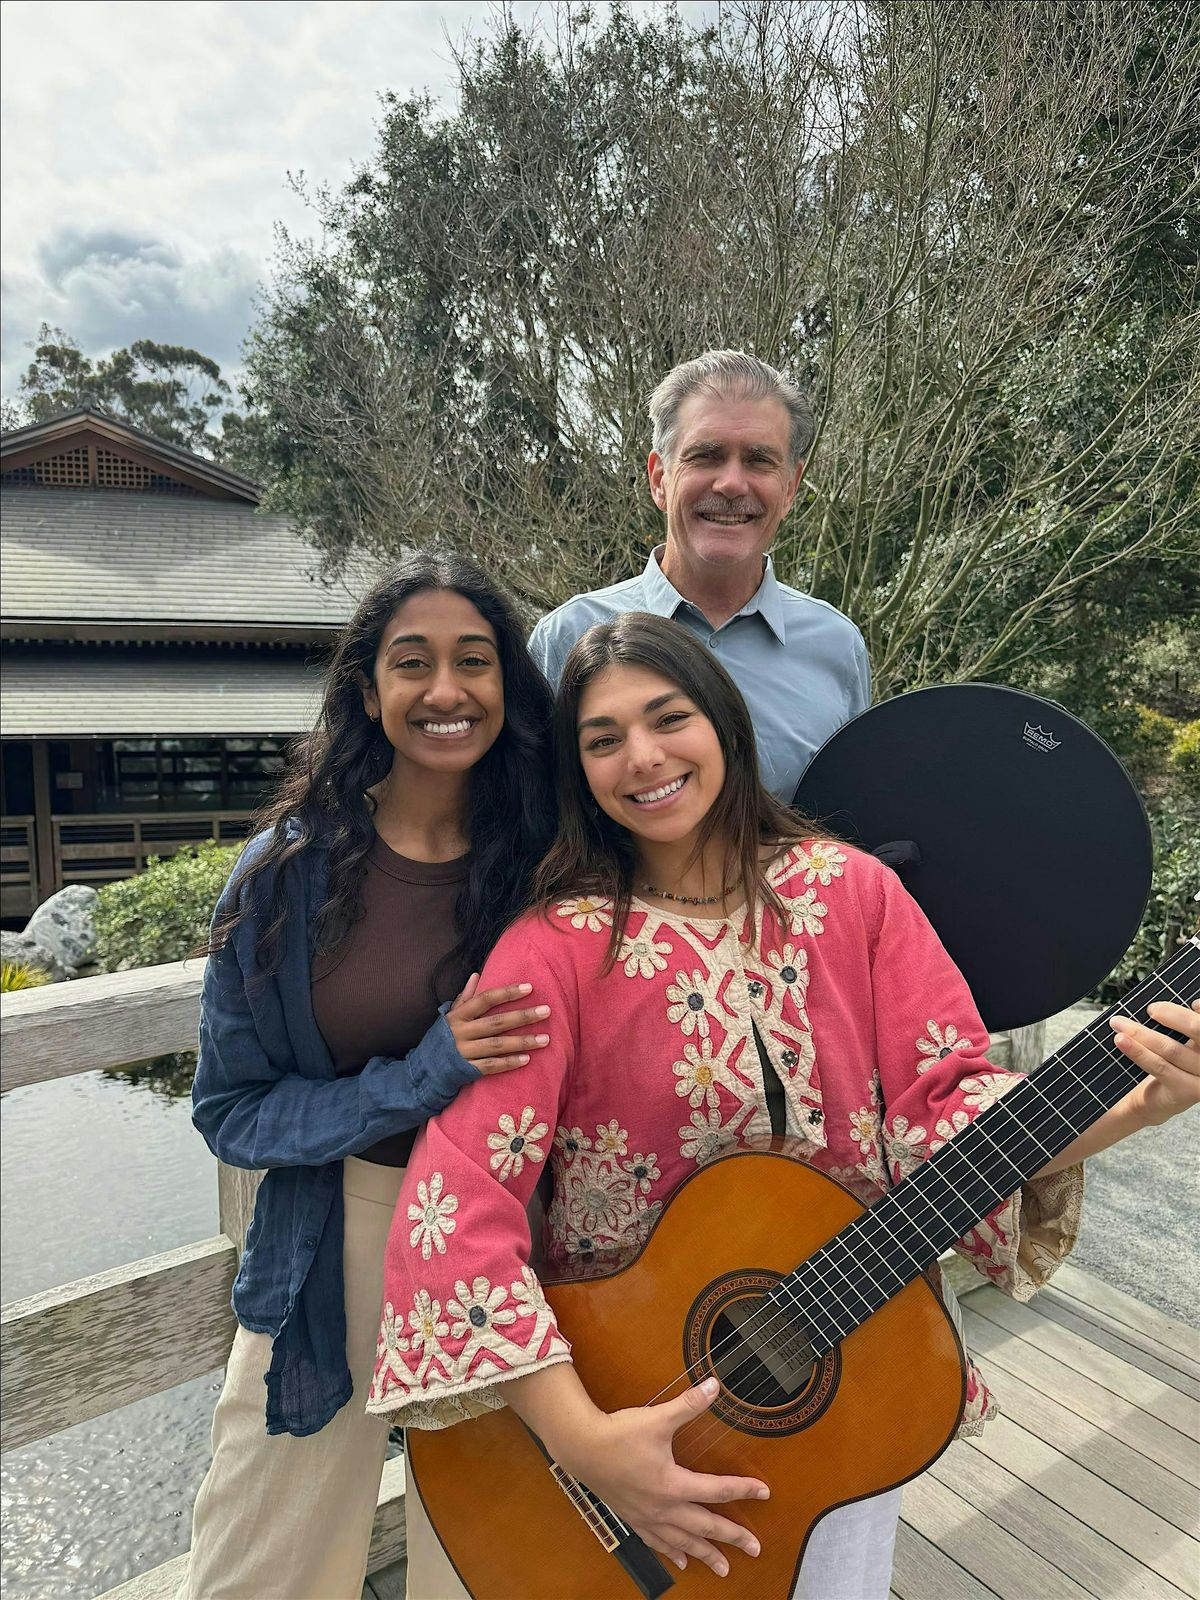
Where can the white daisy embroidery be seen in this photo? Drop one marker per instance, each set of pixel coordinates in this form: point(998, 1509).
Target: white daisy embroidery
point(434, 1217)
point(691, 998)
point(823, 862)
point(571, 1141)
point(477, 1308)
point(696, 1075)
point(642, 957)
point(864, 1129)
point(427, 1324)
point(946, 1128)
point(704, 1137)
point(392, 1343)
point(940, 1044)
point(906, 1145)
point(611, 1138)
point(808, 912)
point(986, 1089)
point(791, 969)
point(643, 1170)
point(514, 1143)
point(600, 1200)
point(587, 912)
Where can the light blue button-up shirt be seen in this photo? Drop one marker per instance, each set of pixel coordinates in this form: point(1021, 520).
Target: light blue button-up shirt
point(801, 664)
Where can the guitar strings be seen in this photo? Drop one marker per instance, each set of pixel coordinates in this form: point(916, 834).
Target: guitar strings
point(1126, 1071)
point(1068, 1057)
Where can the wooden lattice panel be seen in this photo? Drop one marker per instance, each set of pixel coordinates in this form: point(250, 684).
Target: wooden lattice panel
point(115, 471)
point(67, 470)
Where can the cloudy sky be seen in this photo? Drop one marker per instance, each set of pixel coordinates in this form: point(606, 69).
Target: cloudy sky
point(146, 147)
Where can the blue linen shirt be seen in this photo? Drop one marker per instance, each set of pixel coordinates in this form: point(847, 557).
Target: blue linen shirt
point(266, 1095)
point(801, 665)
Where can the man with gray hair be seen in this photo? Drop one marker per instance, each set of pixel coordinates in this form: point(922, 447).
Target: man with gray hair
point(731, 436)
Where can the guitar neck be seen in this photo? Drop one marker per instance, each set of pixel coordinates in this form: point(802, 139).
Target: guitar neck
point(872, 1259)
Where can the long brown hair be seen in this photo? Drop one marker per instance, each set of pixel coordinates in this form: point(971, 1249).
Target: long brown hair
point(324, 796)
point(592, 854)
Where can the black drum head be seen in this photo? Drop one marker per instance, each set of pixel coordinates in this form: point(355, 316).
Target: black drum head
point(1034, 854)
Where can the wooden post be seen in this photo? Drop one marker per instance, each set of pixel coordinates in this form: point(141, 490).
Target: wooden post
point(1028, 1048)
point(45, 866)
point(236, 1189)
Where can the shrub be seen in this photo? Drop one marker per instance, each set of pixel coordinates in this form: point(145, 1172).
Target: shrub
point(163, 913)
point(1171, 910)
point(16, 975)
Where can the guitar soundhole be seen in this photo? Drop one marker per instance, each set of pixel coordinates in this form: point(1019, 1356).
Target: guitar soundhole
point(771, 1381)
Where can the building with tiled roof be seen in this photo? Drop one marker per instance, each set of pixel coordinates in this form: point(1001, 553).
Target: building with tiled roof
point(160, 643)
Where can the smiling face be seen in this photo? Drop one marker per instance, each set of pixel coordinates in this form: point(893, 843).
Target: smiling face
point(437, 686)
point(728, 483)
point(651, 758)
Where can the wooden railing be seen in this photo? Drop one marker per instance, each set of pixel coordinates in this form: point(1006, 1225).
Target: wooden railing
point(98, 847)
point(18, 876)
point(82, 1350)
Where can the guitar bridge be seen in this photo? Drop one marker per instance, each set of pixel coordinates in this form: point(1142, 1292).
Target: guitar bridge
point(585, 1503)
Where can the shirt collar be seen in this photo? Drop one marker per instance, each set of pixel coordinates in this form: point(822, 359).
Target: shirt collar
point(664, 599)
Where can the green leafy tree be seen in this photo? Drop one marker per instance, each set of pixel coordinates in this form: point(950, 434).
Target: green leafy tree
point(168, 390)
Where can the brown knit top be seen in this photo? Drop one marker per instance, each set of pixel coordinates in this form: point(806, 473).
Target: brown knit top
point(376, 994)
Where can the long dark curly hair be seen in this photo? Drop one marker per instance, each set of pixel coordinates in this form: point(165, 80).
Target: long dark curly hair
point(323, 797)
point(594, 855)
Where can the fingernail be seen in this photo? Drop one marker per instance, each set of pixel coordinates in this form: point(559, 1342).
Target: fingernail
point(542, 1038)
point(541, 1011)
point(752, 1549)
point(708, 1387)
point(764, 1494)
point(523, 1060)
point(525, 987)
point(721, 1570)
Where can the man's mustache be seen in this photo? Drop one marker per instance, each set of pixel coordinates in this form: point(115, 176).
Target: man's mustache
point(728, 508)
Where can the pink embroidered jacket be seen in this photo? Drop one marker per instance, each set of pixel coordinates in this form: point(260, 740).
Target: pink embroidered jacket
point(651, 1070)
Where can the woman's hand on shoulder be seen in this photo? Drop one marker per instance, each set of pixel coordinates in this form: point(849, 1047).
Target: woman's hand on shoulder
point(489, 1042)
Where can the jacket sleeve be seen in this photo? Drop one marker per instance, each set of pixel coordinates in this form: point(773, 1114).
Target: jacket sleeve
point(936, 1079)
point(254, 1110)
point(463, 1311)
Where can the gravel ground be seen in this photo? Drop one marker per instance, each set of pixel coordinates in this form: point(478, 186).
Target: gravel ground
point(1141, 1213)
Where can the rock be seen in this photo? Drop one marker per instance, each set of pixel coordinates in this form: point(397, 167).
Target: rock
point(16, 947)
point(62, 930)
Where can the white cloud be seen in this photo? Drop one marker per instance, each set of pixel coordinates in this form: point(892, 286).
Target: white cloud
point(145, 147)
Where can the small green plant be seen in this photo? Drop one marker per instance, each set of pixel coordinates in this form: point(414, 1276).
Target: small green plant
point(16, 975)
point(164, 913)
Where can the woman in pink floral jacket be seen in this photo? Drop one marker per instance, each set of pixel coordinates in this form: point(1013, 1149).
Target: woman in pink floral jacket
point(713, 975)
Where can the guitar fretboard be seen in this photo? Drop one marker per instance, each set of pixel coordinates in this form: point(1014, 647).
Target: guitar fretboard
point(872, 1259)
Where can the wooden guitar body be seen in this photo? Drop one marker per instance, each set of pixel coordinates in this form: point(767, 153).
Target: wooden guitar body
point(869, 1414)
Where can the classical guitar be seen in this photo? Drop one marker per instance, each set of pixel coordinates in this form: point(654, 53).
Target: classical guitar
point(841, 1372)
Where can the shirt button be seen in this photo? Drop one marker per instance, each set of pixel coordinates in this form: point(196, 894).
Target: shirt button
point(713, 640)
point(310, 1243)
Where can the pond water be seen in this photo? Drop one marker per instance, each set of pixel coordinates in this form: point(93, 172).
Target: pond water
point(100, 1170)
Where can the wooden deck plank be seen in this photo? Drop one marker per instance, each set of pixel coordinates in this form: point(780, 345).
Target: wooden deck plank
point(1079, 1554)
point(1143, 1481)
point(1094, 1316)
point(389, 1584)
point(921, 1571)
point(992, 1555)
point(1166, 1365)
point(1121, 1307)
point(1093, 1503)
point(1120, 1377)
point(1083, 1395)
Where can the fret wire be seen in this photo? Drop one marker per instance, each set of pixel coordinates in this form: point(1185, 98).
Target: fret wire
point(1110, 1086)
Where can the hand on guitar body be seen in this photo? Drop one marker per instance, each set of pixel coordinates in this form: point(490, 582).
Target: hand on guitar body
point(626, 1458)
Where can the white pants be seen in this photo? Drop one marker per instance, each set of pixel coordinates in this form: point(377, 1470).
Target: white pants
point(281, 1518)
point(849, 1556)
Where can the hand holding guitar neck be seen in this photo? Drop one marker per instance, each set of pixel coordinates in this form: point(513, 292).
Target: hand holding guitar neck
point(1172, 1066)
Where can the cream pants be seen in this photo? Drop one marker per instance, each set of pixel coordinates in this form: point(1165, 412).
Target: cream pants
point(281, 1518)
